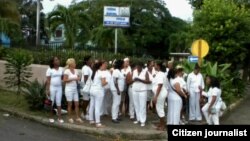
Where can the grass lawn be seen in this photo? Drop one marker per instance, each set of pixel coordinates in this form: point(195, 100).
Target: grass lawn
point(11, 100)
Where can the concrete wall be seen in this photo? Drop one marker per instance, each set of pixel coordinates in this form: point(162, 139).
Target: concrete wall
point(39, 72)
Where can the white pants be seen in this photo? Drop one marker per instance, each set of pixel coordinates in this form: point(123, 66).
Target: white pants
point(115, 104)
point(131, 103)
point(96, 100)
point(71, 94)
point(210, 118)
point(194, 106)
point(174, 109)
point(161, 103)
point(140, 101)
point(56, 95)
point(107, 103)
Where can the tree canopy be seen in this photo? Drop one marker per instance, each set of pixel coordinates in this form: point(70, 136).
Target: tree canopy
point(225, 25)
point(149, 32)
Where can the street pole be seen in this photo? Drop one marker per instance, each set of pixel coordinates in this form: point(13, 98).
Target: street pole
point(116, 40)
point(38, 23)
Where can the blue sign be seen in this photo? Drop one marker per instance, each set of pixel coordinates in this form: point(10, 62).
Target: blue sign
point(116, 16)
point(193, 59)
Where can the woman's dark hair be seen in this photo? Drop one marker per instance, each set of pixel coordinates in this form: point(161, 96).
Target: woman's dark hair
point(149, 61)
point(96, 67)
point(140, 64)
point(86, 59)
point(161, 66)
point(214, 82)
point(179, 70)
point(171, 74)
point(132, 65)
point(118, 64)
point(51, 62)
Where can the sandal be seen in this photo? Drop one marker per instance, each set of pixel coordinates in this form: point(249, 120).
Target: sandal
point(160, 128)
point(99, 125)
point(79, 120)
point(156, 125)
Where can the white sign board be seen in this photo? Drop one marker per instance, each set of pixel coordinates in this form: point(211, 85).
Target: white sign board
point(193, 59)
point(116, 16)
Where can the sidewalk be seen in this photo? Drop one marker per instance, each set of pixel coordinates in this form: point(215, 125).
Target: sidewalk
point(125, 130)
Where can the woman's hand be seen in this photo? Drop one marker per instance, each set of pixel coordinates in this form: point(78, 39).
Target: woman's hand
point(155, 99)
point(47, 93)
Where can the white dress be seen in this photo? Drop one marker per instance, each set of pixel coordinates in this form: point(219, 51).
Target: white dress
point(214, 117)
point(160, 79)
point(174, 104)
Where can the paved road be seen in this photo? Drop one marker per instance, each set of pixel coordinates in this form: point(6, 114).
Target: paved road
point(241, 114)
point(18, 129)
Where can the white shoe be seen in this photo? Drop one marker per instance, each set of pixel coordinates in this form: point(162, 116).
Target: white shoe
point(87, 117)
point(182, 122)
point(51, 120)
point(142, 124)
point(60, 120)
point(136, 122)
point(82, 116)
point(64, 111)
point(71, 120)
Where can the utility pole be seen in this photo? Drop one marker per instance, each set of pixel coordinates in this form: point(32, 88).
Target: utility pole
point(38, 23)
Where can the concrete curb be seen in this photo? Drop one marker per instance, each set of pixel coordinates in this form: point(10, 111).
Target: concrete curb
point(132, 134)
point(232, 107)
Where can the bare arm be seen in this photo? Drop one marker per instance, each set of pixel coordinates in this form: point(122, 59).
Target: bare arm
point(179, 90)
point(85, 78)
point(146, 81)
point(67, 80)
point(116, 86)
point(129, 79)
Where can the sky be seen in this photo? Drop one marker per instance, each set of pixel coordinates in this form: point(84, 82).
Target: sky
point(178, 8)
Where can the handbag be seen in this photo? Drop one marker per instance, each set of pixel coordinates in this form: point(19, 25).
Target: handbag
point(47, 104)
point(86, 88)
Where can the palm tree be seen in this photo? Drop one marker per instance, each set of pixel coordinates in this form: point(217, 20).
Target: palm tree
point(73, 20)
point(9, 17)
point(103, 38)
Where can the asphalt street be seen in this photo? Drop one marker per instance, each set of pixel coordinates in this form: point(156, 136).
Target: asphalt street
point(18, 129)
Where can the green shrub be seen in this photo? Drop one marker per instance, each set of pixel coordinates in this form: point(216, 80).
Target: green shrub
point(43, 55)
point(35, 95)
point(17, 70)
point(232, 85)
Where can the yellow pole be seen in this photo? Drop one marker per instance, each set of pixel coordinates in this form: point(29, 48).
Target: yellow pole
point(199, 52)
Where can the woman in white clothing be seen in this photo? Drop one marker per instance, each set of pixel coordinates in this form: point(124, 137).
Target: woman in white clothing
point(106, 106)
point(97, 92)
point(141, 79)
point(151, 72)
point(86, 80)
point(212, 108)
point(71, 77)
point(195, 85)
point(129, 81)
point(159, 88)
point(117, 86)
point(174, 97)
point(54, 76)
